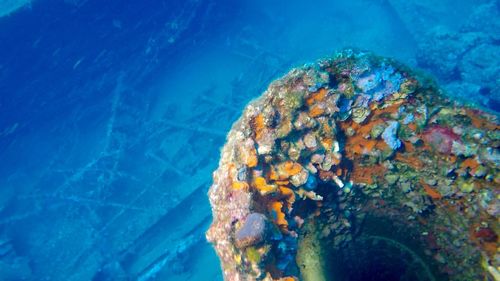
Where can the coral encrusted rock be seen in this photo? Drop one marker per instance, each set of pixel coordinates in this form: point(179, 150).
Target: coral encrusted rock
point(341, 157)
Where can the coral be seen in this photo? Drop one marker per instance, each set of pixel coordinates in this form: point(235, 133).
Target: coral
point(441, 138)
point(390, 135)
point(433, 193)
point(278, 215)
point(353, 135)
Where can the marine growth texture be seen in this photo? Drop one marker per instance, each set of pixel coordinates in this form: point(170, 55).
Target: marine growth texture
point(348, 139)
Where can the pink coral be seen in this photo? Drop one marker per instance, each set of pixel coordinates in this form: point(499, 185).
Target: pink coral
point(441, 138)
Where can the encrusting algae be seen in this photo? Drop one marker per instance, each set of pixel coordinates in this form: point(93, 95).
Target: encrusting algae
point(356, 135)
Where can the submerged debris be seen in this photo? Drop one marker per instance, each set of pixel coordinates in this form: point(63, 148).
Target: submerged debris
point(331, 142)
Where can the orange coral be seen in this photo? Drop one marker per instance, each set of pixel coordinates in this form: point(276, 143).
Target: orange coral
point(292, 168)
point(279, 216)
point(434, 194)
point(361, 145)
point(365, 129)
point(316, 96)
point(261, 185)
point(410, 160)
point(240, 185)
point(259, 125)
point(286, 191)
point(470, 163)
point(316, 111)
point(281, 172)
point(479, 121)
point(339, 172)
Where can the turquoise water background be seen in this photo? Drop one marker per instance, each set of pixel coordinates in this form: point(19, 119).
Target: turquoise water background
point(112, 113)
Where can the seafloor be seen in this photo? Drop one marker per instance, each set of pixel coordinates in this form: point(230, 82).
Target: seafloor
point(112, 114)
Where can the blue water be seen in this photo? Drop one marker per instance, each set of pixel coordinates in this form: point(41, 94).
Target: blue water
point(112, 113)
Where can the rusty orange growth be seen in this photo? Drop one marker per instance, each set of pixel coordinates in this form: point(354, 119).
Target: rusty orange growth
point(471, 164)
point(259, 125)
point(434, 194)
point(451, 158)
point(362, 174)
point(480, 122)
point(393, 108)
point(363, 146)
point(316, 96)
point(365, 129)
point(410, 160)
point(278, 214)
point(316, 110)
point(409, 147)
point(359, 143)
point(339, 172)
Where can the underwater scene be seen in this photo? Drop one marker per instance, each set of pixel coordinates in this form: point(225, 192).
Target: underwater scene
point(249, 140)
